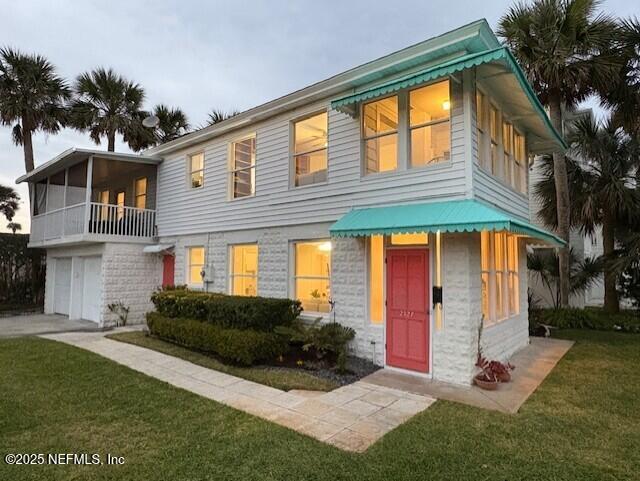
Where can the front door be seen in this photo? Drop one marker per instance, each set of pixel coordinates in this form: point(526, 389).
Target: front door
point(408, 309)
point(168, 270)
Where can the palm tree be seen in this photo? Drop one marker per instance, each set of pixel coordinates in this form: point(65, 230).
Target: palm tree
point(106, 104)
point(217, 115)
point(605, 194)
point(568, 51)
point(32, 98)
point(14, 227)
point(9, 199)
point(172, 124)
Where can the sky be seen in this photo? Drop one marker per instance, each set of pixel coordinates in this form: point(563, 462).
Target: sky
point(198, 55)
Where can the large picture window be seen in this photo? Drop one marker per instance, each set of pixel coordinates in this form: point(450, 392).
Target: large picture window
point(244, 270)
point(310, 149)
point(499, 275)
point(380, 135)
point(243, 167)
point(312, 275)
point(195, 265)
point(429, 122)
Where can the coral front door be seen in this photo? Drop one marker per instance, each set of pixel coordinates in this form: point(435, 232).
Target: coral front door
point(168, 270)
point(407, 340)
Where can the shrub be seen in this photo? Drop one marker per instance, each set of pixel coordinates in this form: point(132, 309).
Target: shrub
point(239, 312)
point(244, 347)
point(590, 318)
point(330, 338)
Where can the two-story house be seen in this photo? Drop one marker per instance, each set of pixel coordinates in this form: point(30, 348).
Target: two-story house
point(397, 190)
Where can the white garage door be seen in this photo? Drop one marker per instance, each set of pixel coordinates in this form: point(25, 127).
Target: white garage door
point(62, 286)
point(92, 288)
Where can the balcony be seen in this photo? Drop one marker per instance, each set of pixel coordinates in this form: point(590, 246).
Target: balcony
point(90, 196)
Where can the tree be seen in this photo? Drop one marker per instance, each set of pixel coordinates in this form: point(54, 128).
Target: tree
point(217, 115)
point(172, 124)
point(32, 98)
point(544, 264)
point(569, 52)
point(106, 104)
point(14, 227)
point(8, 202)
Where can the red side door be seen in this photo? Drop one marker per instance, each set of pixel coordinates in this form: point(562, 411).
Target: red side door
point(168, 270)
point(408, 309)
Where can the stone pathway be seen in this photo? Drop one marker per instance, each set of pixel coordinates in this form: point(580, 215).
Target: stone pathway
point(351, 417)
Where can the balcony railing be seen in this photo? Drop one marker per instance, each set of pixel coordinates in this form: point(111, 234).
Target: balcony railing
point(102, 220)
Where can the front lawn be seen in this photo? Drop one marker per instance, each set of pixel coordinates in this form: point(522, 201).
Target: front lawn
point(280, 379)
point(583, 423)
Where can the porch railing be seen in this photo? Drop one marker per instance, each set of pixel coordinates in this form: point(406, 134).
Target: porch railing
point(103, 219)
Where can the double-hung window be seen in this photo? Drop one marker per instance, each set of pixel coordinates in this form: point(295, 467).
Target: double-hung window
point(243, 167)
point(141, 193)
point(520, 162)
point(380, 135)
point(312, 275)
point(244, 270)
point(103, 198)
point(120, 203)
point(493, 133)
point(430, 125)
point(507, 147)
point(481, 126)
point(196, 170)
point(310, 140)
point(499, 276)
point(195, 266)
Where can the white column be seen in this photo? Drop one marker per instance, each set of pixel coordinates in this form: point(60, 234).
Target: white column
point(87, 199)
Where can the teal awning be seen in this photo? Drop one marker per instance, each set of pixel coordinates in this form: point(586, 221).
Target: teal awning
point(450, 216)
point(500, 54)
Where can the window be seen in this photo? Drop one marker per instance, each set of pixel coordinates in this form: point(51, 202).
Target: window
point(409, 239)
point(243, 167)
point(244, 270)
point(141, 193)
point(310, 150)
point(380, 135)
point(196, 170)
point(195, 265)
point(499, 271)
point(493, 133)
point(507, 159)
point(481, 126)
point(103, 198)
point(312, 275)
point(520, 162)
point(120, 204)
point(376, 279)
point(429, 122)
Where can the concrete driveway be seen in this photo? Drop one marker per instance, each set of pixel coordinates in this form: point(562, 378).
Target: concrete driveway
point(35, 324)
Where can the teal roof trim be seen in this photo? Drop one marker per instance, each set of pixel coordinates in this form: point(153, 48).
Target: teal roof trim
point(449, 216)
point(451, 67)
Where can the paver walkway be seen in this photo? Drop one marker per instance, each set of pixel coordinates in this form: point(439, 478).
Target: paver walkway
point(351, 417)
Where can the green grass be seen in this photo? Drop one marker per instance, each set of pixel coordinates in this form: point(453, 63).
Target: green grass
point(285, 380)
point(583, 424)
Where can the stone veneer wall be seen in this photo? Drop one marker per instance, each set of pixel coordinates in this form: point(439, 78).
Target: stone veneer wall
point(129, 276)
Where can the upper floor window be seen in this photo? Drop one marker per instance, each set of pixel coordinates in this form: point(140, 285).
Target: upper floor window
point(507, 147)
point(243, 167)
point(312, 278)
point(120, 203)
point(310, 141)
point(429, 122)
point(141, 193)
point(195, 266)
point(243, 278)
point(380, 135)
point(103, 198)
point(493, 133)
point(196, 170)
point(520, 164)
point(481, 124)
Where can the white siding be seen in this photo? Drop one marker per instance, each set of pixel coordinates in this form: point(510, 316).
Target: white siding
point(182, 210)
point(494, 191)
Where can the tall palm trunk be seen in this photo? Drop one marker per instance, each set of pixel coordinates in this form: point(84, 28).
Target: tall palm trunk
point(561, 180)
point(111, 139)
point(611, 301)
point(27, 147)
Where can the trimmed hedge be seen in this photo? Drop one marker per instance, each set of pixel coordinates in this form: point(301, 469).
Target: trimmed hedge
point(589, 318)
point(243, 347)
point(238, 312)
